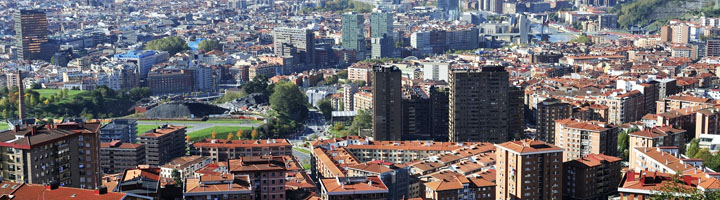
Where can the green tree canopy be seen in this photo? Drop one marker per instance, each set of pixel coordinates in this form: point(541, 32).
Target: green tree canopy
point(171, 44)
point(362, 120)
point(289, 101)
point(209, 45)
point(326, 108)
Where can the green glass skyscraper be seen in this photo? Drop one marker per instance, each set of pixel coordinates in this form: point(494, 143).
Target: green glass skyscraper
point(352, 31)
point(381, 24)
point(353, 36)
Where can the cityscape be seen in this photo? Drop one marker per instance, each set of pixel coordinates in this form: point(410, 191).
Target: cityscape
point(359, 99)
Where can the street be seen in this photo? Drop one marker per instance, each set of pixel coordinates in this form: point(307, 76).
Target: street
point(315, 125)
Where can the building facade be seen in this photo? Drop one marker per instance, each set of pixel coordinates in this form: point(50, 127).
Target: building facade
point(479, 105)
point(528, 169)
point(387, 103)
point(163, 144)
point(582, 138)
point(117, 156)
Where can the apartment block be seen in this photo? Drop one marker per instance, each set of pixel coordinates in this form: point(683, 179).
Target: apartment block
point(360, 71)
point(117, 156)
point(362, 101)
point(548, 111)
point(624, 107)
point(387, 110)
point(655, 137)
point(222, 150)
point(124, 130)
point(450, 185)
point(479, 105)
point(185, 165)
point(267, 175)
point(677, 102)
point(594, 176)
point(396, 179)
point(225, 186)
point(163, 144)
point(582, 138)
point(528, 169)
point(67, 154)
point(707, 122)
point(348, 188)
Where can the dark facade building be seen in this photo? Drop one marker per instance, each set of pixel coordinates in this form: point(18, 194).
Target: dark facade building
point(439, 113)
point(116, 156)
point(124, 130)
point(416, 112)
point(479, 105)
point(31, 34)
point(163, 144)
point(547, 112)
point(387, 103)
point(595, 176)
point(296, 43)
point(516, 113)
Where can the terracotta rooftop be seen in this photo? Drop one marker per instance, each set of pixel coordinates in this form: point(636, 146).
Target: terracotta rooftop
point(163, 131)
point(596, 126)
point(241, 143)
point(529, 146)
point(356, 185)
point(656, 132)
point(32, 191)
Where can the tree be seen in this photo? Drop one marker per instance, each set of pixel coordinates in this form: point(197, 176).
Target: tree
point(213, 134)
point(209, 45)
point(326, 108)
point(255, 134)
point(246, 134)
point(240, 134)
point(693, 148)
point(229, 136)
point(36, 86)
point(677, 187)
point(171, 44)
point(331, 80)
point(362, 120)
point(343, 74)
point(187, 138)
point(623, 144)
point(288, 101)
point(176, 177)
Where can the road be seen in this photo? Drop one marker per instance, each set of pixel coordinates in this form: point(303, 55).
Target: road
point(315, 125)
point(198, 125)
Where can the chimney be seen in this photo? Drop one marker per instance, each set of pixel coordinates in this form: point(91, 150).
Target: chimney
point(101, 190)
point(630, 175)
point(21, 96)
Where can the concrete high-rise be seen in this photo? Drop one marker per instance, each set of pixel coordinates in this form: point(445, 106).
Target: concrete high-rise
point(479, 105)
point(31, 34)
point(381, 47)
point(528, 169)
point(387, 103)
point(298, 43)
point(353, 36)
point(547, 112)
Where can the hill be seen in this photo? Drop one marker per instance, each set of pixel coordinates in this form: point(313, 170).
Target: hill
point(654, 13)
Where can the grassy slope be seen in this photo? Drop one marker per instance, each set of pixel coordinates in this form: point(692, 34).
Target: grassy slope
point(211, 121)
point(3, 126)
point(48, 92)
point(221, 131)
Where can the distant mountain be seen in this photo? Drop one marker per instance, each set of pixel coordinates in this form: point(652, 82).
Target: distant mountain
point(654, 13)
